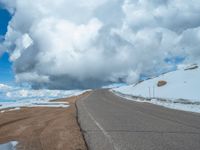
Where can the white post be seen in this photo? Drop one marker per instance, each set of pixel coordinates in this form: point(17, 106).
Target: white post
point(149, 92)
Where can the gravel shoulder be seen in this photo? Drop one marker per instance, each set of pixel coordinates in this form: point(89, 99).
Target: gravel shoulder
point(43, 128)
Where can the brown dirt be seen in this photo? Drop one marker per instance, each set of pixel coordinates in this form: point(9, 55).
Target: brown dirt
point(43, 128)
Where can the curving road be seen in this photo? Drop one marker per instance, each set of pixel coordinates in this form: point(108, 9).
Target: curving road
point(113, 123)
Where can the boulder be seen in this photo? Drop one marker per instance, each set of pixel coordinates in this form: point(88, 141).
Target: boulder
point(161, 83)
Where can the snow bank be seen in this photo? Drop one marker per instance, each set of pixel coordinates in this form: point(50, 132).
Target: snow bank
point(182, 90)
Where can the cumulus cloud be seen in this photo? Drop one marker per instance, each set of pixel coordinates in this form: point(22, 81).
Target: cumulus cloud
point(4, 87)
point(67, 44)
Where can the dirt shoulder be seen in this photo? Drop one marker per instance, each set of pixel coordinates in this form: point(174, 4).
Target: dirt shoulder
point(43, 128)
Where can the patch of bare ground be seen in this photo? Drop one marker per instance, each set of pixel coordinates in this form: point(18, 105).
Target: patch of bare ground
point(43, 128)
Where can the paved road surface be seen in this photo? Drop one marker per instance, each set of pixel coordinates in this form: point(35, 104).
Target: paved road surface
point(113, 123)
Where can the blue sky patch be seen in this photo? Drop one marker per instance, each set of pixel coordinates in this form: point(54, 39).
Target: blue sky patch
point(4, 20)
point(6, 72)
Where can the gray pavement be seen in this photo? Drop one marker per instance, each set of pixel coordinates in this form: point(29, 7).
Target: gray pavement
point(113, 123)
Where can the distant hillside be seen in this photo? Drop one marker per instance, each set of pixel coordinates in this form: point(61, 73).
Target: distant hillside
point(178, 87)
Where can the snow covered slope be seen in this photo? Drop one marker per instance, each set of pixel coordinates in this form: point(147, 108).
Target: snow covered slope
point(182, 88)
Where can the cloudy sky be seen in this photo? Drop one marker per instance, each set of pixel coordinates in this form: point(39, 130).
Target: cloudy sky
point(67, 44)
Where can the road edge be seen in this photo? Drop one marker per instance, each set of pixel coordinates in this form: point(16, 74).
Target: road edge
point(78, 120)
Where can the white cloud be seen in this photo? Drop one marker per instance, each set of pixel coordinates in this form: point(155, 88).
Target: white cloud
point(24, 93)
point(21, 44)
point(189, 42)
point(79, 44)
point(4, 87)
point(31, 77)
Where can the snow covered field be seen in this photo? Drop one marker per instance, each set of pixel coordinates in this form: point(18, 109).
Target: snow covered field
point(181, 91)
point(16, 97)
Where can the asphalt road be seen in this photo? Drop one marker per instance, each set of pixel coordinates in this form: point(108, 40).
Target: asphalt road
point(113, 123)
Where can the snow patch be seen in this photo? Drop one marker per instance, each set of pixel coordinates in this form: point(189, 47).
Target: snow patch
point(184, 105)
point(50, 104)
point(9, 146)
